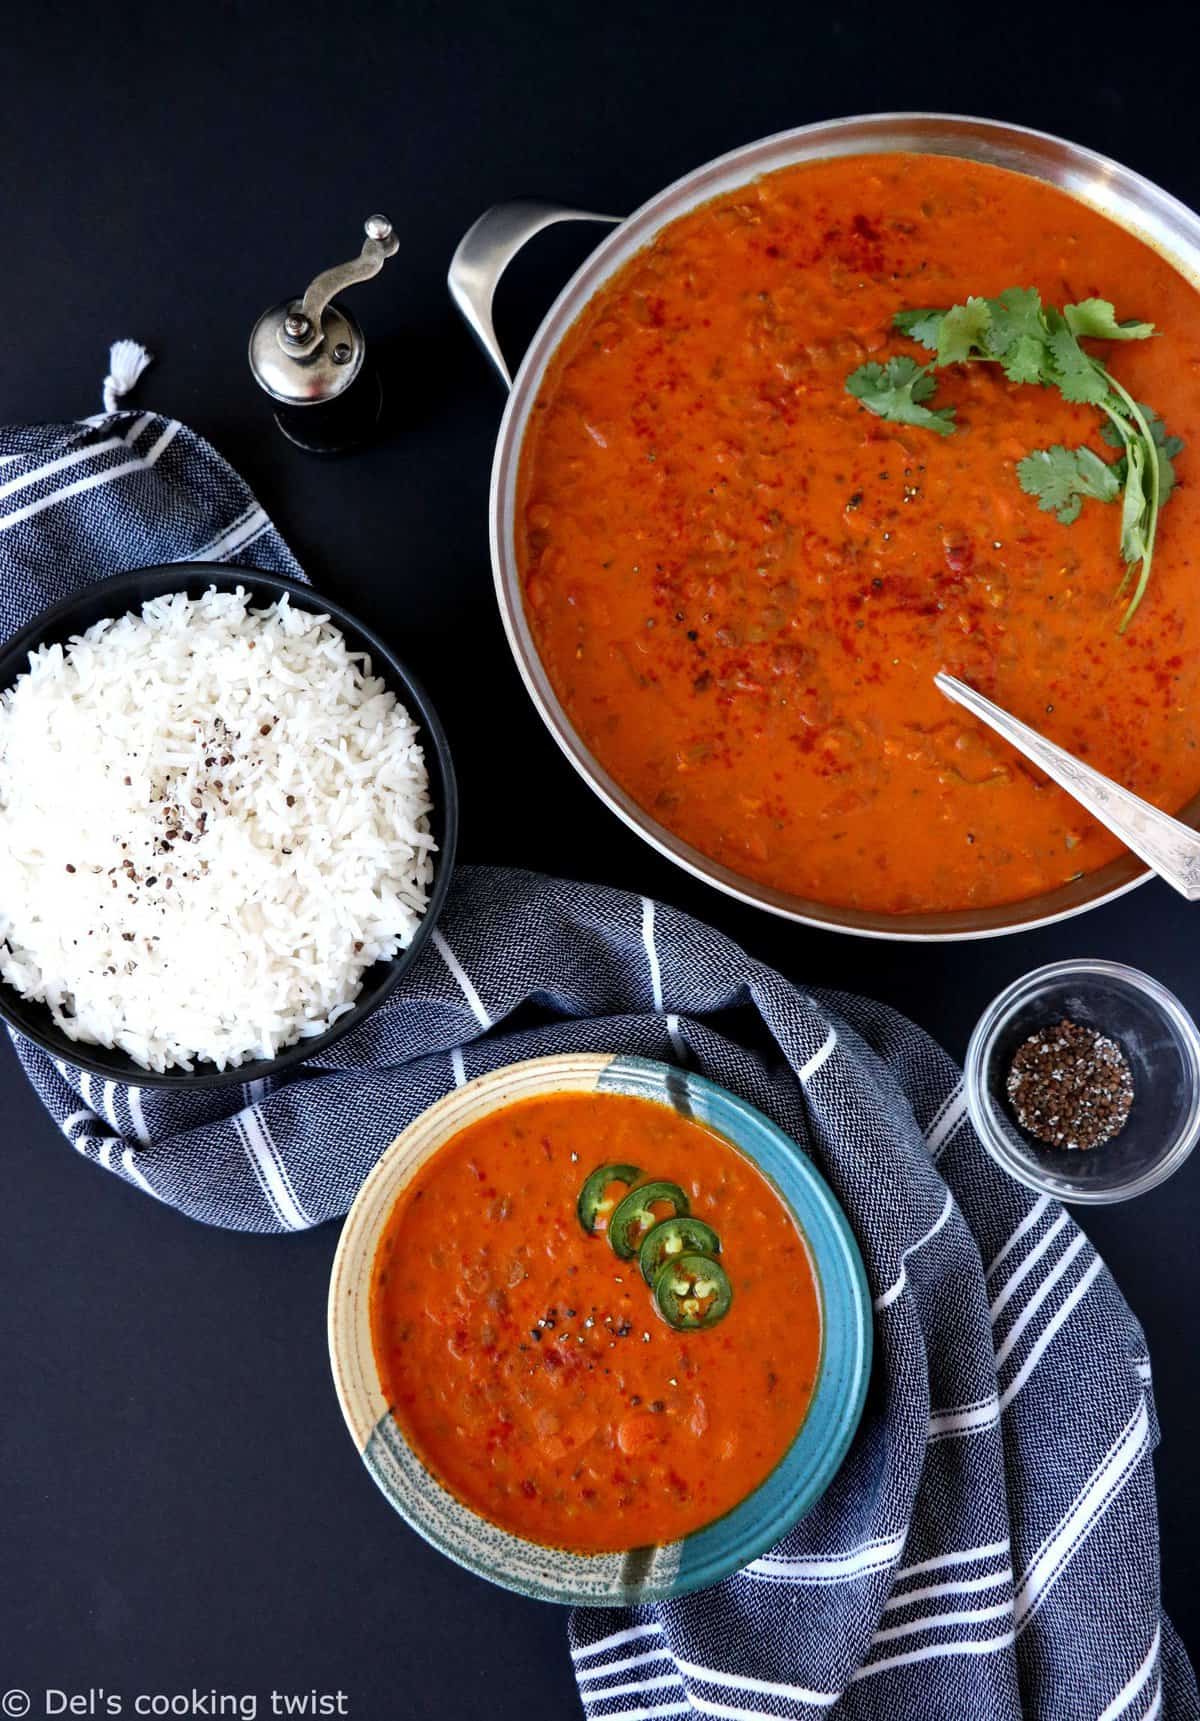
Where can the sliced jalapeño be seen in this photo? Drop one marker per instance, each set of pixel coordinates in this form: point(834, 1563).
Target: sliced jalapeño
point(635, 1215)
point(692, 1291)
point(671, 1238)
point(594, 1200)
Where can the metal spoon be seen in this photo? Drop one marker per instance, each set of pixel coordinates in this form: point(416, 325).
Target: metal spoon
point(1171, 848)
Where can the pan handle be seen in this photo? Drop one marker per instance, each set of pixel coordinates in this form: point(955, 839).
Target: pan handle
point(484, 253)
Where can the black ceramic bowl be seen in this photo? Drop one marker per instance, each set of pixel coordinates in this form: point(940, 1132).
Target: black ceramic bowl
point(113, 597)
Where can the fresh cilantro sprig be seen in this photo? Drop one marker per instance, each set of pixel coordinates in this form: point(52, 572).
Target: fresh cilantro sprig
point(1036, 343)
point(896, 391)
point(1061, 477)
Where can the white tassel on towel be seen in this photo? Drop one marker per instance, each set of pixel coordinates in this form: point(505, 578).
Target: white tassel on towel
point(126, 362)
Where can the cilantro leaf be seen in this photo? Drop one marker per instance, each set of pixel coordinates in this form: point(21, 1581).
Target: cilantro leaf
point(1112, 434)
point(1077, 377)
point(1170, 445)
point(963, 332)
point(1016, 317)
point(896, 390)
point(1166, 473)
point(1166, 447)
point(922, 326)
point(1061, 478)
point(1097, 319)
point(1026, 360)
point(1133, 508)
point(1097, 476)
point(1019, 336)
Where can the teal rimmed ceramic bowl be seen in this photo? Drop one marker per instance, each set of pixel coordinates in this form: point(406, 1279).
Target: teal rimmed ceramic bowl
point(642, 1574)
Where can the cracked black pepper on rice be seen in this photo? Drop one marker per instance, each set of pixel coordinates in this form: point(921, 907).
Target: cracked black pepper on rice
point(1070, 1086)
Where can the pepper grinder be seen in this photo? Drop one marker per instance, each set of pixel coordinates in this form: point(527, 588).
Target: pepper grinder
point(309, 355)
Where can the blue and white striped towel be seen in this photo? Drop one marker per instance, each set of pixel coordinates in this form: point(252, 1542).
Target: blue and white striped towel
point(990, 1548)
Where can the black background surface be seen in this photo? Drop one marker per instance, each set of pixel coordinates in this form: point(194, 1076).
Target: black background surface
point(179, 1503)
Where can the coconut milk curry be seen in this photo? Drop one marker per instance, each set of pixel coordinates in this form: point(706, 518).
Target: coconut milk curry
point(576, 1395)
point(741, 585)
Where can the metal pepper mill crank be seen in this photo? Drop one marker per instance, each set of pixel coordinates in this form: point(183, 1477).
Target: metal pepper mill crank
point(310, 356)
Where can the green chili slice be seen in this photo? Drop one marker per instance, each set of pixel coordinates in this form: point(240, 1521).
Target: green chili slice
point(672, 1238)
point(635, 1215)
point(692, 1291)
point(594, 1201)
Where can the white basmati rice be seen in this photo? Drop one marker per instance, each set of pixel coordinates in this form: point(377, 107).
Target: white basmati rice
point(213, 820)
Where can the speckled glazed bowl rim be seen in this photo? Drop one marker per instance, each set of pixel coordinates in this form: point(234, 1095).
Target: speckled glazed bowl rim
point(644, 1574)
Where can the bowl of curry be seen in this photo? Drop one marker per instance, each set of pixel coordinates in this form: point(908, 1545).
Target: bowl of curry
point(728, 581)
point(599, 1330)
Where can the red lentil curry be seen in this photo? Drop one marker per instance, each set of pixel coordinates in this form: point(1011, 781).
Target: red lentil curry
point(577, 1396)
point(741, 585)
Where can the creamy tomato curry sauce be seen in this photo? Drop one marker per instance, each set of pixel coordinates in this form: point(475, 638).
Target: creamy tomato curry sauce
point(741, 585)
point(529, 1364)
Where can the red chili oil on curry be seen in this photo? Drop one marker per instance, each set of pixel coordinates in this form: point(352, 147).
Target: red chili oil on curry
point(741, 584)
point(527, 1363)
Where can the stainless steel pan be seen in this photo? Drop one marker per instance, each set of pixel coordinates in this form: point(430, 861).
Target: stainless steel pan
point(490, 245)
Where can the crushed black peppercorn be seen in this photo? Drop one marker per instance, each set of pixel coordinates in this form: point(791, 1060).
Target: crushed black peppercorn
point(1070, 1086)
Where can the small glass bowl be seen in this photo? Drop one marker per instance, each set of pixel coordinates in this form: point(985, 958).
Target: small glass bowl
point(1162, 1045)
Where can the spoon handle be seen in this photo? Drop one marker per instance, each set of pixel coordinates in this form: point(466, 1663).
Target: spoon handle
point(1171, 848)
